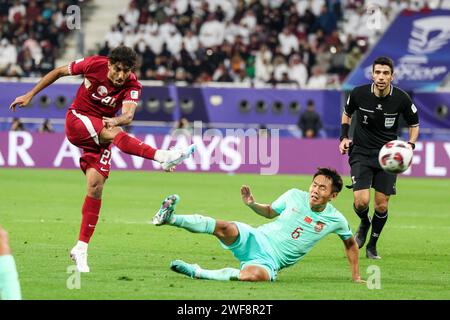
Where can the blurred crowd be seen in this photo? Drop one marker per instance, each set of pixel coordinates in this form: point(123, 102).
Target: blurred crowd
point(302, 43)
point(299, 43)
point(31, 35)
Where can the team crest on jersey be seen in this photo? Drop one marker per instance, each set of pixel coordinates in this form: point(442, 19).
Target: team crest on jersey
point(134, 94)
point(389, 122)
point(319, 226)
point(102, 91)
point(379, 107)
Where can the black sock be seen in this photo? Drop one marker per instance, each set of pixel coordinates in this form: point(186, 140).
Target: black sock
point(363, 215)
point(378, 221)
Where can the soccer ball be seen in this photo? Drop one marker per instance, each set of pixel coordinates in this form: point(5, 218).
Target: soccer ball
point(395, 157)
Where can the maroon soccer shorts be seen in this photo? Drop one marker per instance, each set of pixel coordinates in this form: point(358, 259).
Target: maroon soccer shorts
point(83, 131)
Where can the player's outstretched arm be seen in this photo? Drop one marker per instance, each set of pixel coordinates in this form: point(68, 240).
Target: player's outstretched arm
point(352, 251)
point(264, 210)
point(47, 80)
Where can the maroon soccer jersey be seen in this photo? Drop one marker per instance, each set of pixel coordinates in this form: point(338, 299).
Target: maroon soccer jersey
point(97, 96)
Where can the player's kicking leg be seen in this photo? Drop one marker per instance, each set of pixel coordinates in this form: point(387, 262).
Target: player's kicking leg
point(131, 145)
point(176, 156)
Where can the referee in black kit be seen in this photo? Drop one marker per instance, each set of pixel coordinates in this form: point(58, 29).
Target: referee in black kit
point(379, 106)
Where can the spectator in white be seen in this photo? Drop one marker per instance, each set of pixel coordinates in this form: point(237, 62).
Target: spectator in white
point(166, 28)
point(249, 19)
point(155, 42)
point(243, 32)
point(263, 67)
point(212, 32)
point(16, 12)
point(354, 19)
point(174, 42)
point(228, 6)
point(232, 29)
point(131, 14)
point(151, 25)
point(35, 49)
point(114, 37)
point(59, 16)
point(181, 6)
point(242, 78)
point(288, 42)
point(279, 67)
point(141, 45)
point(8, 56)
point(297, 70)
point(314, 5)
point(318, 79)
point(130, 38)
point(190, 41)
point(395, 7)
point(140, 38)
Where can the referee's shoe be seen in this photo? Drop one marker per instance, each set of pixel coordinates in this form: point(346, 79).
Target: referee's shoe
point(371, 253)
point(361, 234)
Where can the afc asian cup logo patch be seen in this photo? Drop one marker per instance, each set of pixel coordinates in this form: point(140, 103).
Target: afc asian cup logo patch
point(319, 226)
point(102, 91)
point(134, 94)
point(87, 83)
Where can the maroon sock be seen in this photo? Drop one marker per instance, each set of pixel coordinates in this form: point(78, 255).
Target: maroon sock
point(90, 212)
point(131, 145)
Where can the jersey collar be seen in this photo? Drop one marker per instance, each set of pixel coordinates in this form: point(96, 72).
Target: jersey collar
point(391, 89)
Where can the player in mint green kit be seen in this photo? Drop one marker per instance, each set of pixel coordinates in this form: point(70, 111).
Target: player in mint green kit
point(9, 279)
point(302, 219)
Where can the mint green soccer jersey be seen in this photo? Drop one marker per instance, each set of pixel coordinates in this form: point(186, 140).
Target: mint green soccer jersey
point(297, 229)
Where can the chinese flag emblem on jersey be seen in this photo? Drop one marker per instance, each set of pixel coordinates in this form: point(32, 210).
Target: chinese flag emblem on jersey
point(307, 219)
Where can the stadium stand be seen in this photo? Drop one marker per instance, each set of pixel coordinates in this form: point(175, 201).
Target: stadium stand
point(32, 35)
point(261, 42)
point(224, 44)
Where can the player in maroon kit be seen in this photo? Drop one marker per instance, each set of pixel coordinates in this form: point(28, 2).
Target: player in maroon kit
point(92, 125)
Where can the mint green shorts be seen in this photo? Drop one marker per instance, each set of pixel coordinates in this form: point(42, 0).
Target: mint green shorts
point(252, 248)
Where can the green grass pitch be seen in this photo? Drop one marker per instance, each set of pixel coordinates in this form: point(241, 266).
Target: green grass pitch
point(129, 258)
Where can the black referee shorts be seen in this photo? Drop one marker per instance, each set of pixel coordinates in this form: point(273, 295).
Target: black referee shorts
point(366, 172)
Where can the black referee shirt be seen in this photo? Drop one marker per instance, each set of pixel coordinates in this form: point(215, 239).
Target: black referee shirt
point(377, 118)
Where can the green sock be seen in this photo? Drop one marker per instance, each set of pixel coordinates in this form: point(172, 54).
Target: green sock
point(225, 274)
point(194, 223)
point(9, 279)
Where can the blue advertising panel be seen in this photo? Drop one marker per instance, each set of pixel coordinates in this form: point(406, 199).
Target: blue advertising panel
point(419, 43)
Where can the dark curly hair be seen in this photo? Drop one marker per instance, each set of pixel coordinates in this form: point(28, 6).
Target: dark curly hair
point(123, 55)
point(333, 176)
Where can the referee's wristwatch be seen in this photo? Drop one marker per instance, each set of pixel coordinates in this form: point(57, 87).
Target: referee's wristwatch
point(413, 145)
